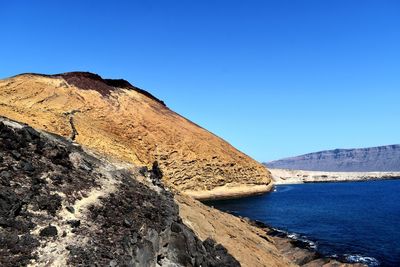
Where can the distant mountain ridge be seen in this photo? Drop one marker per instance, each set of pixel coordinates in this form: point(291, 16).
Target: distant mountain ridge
point(380, 159)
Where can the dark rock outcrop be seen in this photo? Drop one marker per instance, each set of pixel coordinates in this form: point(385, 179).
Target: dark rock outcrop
point(92, 81)
point(378, 159)
point(60, 205)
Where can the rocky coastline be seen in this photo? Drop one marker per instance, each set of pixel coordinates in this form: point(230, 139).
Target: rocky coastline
point(303, 252)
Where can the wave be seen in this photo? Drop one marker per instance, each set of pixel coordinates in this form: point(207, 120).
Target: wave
point(283, 188)
point(299, 240)
point(356, 258)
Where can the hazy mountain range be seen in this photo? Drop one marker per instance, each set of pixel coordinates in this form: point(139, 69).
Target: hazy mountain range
point(380, 159)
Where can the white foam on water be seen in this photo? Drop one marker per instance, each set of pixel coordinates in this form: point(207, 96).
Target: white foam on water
point(295, 236)
point(356, 258)
point(370, 261)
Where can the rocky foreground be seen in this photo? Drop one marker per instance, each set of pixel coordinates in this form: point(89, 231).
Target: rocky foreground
point(61, 206)
point(284, 176)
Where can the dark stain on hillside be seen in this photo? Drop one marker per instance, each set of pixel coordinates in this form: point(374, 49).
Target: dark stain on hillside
point(92, 81)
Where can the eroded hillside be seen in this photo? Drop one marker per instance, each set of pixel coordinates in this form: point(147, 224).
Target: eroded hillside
point(118, 119)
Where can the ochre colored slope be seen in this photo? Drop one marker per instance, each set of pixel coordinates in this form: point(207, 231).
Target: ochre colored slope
point(248, 244)
point(115, 118)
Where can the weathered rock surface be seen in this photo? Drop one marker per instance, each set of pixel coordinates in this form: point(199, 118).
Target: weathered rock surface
point(250, 245)
point(115, 118)
point(373, 159)
point(63, 206)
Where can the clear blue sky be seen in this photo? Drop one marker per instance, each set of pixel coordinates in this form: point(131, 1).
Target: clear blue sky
point(274, 78)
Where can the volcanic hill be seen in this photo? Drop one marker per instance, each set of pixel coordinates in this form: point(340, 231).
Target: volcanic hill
point(110, 206)
point(83, 187)
point(115, 118)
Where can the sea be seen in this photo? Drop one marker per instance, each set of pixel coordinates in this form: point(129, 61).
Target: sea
point(350, 221)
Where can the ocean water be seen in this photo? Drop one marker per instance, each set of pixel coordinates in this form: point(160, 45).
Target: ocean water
point(356, 221)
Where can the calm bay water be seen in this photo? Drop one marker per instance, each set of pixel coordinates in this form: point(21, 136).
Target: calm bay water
point(357, 220)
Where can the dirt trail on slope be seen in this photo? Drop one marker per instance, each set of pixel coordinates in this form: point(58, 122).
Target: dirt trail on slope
point(63, 206)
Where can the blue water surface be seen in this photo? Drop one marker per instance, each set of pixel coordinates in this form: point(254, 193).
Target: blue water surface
point(354, 219)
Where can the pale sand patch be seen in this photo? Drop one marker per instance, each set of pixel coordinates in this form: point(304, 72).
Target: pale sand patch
point(230, 191)
point(55, 253)
point(284, 176)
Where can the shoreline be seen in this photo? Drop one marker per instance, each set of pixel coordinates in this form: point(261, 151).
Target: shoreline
point(304, 252)
point(299, 249)
point(230, 191)
point(285, 176)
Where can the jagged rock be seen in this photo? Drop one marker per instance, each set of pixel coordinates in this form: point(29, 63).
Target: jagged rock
point(70, 209)
point(50, 203)
point(119, 220)
point(49, 231)
point(74, 223)
point(15, 154)
point(5, 175)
